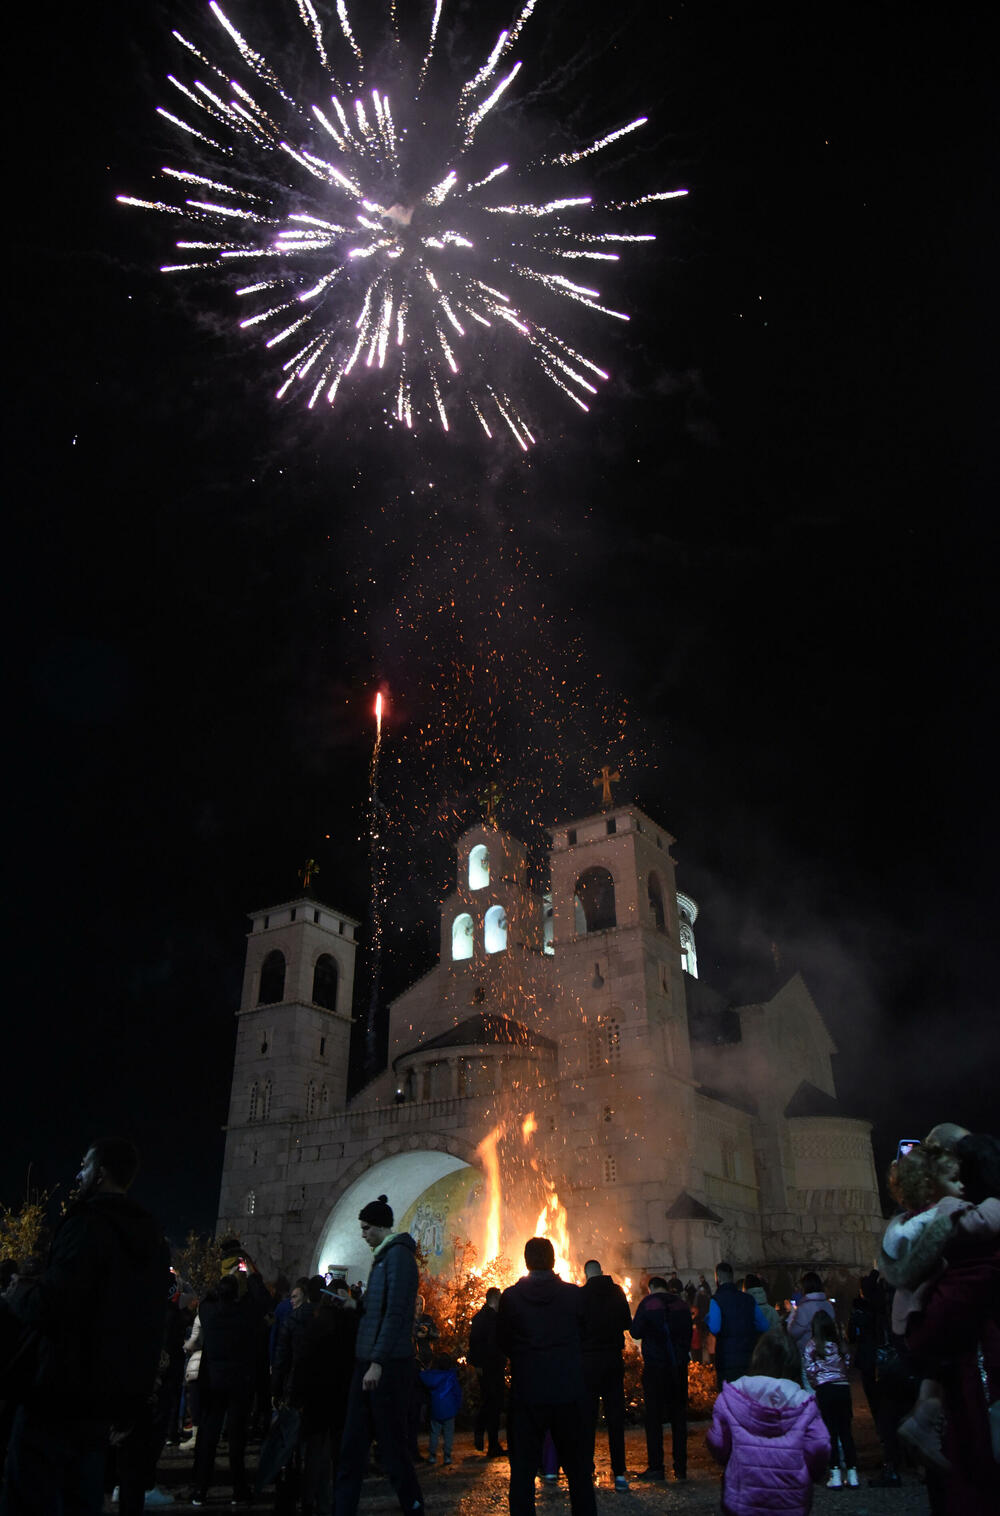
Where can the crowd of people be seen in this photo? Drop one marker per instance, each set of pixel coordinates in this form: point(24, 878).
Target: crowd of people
point(106, 1356)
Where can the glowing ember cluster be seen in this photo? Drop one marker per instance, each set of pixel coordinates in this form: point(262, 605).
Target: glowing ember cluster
point(369, 237)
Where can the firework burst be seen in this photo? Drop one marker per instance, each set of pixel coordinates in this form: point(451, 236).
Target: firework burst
point(370, 227)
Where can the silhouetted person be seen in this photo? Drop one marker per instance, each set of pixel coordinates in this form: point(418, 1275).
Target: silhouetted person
point(487, 1360)
point(97, 1310)
point(663, 1326)
point(606, 1319)
point(539, 1330)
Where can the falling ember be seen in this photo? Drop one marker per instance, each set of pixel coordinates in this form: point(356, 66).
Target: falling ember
point(487, 1152)
point(528, 1126)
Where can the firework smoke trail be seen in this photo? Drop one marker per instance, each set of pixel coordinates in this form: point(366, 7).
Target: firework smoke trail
point(378, 850)
point(374, 243)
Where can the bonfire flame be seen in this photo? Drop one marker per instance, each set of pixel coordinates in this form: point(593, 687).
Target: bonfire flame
point(487, 1152)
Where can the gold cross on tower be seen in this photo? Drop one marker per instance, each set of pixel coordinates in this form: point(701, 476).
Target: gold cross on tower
point(308, 871)
point(490, 800)
point(604, 781)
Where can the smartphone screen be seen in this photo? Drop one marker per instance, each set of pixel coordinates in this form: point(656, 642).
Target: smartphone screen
point(906, 1145)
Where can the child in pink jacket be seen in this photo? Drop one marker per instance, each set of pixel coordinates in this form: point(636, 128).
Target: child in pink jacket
point(768, 1434)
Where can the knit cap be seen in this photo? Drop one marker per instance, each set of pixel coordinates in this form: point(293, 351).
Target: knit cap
point(377, 1212)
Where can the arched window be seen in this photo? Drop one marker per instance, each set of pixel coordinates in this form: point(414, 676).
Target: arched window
point(325, 982)
point(479, 867)
point(495, 930)
point(311, 1099)
point(254, 1098)
point(267, 1099)
point(461, 936)
point(324, 1096)
point(251, 1202)
point(548, 927)
point(595, 897)
point(656, 903)
point(272, 979)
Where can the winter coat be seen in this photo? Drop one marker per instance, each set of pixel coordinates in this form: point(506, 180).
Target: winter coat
point(231, 1335)
point(663, 1325)
point(97, 1311)
point(322, 1364)
point(959, 1321)
point(827, 1366)
point(446, 1392)
point(758, 1294)
point(538, 1327)
point(606, 1316)
point(770, 1437)
point(801, 1319)
point(483, 1351)
point(386, 1328)
point(736, 1334)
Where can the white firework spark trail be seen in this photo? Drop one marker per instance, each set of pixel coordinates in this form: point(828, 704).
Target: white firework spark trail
point(384, 231)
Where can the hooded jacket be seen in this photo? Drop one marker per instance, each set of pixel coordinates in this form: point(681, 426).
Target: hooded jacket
point(538, 1327)
point(98, 1309)
point(801, 1320)
point(769, 1436)
point(386, 1327)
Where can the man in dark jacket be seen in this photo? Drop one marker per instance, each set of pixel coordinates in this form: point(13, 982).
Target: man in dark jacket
point(487, 1360)
point(606, 1319)
point(384, 1367)
point(539, 1327)
point(736, 1321)
point(663, 1325)
point(231, 1317)
point(96, 1314)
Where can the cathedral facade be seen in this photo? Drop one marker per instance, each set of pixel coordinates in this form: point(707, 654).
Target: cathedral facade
point(563, 1057)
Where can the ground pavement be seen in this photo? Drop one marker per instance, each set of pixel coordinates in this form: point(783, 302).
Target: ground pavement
point(473, 1486)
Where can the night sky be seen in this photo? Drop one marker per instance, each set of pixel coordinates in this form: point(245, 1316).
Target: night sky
point(771, 545)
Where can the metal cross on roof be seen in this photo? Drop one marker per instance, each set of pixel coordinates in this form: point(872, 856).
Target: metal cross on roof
point(604, 781)
point(490, 800)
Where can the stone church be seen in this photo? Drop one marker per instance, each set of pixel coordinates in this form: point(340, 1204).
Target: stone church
point(563, 1053)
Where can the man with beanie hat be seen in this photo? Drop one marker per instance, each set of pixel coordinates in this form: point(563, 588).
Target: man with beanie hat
point(383, 1370)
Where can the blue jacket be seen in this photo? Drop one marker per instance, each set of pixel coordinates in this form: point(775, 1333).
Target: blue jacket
point(446, 1392)
point(736, 1321)
point(386, 1327)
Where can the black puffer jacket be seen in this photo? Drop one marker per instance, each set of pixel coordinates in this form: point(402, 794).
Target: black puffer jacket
point(386, 1328)
point(97, 1312)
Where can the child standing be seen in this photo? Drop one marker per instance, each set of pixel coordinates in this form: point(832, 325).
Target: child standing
point(826, 1370)
point(446, 1399)
point(768, 1434)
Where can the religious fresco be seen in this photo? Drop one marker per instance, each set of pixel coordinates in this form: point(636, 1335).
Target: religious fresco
point(453, 1206)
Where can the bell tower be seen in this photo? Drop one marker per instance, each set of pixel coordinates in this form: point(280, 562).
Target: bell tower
point(628, 1075)
point(293, 1038)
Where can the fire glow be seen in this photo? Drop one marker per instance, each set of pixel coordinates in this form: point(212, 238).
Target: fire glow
point(552, 1221)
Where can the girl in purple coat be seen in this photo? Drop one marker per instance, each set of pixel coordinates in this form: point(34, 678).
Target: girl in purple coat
point(768, 1434)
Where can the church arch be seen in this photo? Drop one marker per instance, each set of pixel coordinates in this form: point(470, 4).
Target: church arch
point(403, 1177)
point(654, 892)
point(272, 979)
point(325, 978)
point(594, 901)
point(479, 867)
point(495, 930)
point(461, 936)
